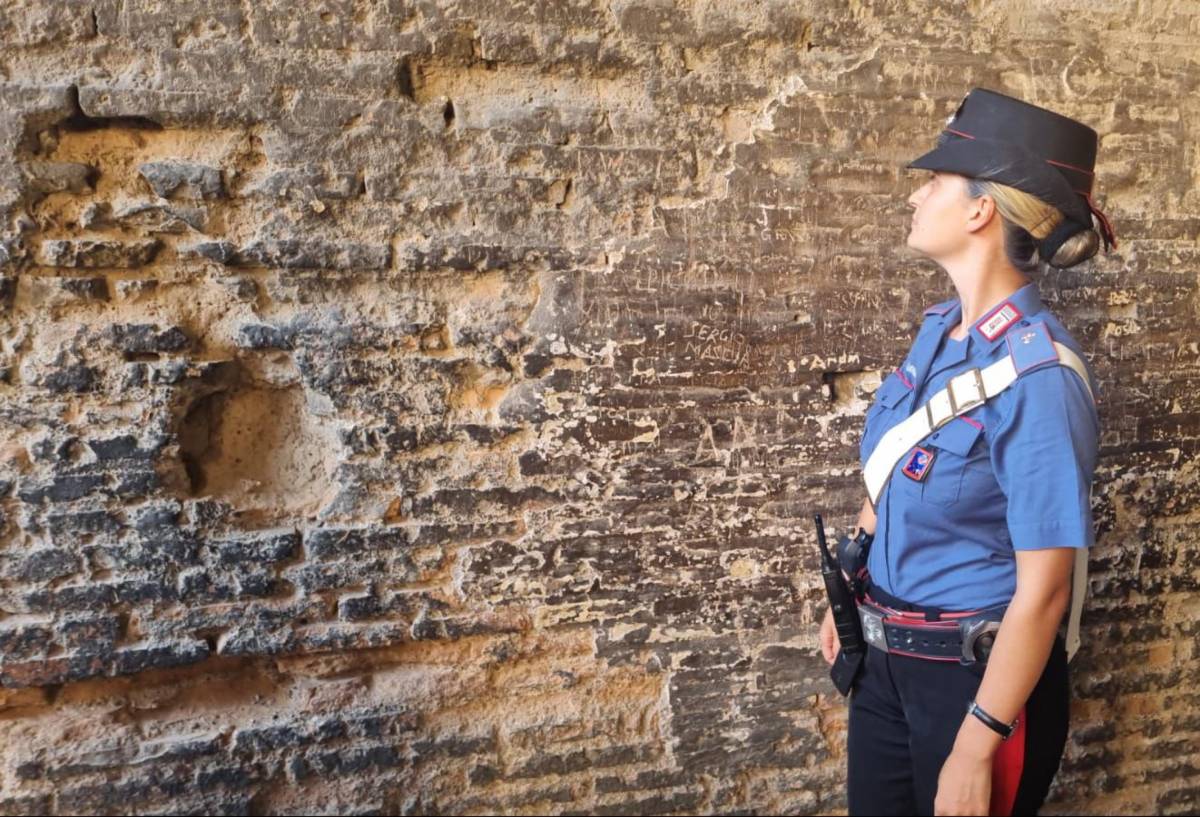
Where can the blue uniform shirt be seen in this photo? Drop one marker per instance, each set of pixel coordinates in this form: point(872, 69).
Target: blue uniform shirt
point(1012, 474)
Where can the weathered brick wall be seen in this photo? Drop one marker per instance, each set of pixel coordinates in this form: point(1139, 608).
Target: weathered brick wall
point(418, 407)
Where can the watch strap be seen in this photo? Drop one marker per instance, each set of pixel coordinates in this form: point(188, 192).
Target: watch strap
point(1004, 730)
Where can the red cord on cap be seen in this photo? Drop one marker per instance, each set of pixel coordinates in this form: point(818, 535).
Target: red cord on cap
point(1106, 228)
point(1070, 167)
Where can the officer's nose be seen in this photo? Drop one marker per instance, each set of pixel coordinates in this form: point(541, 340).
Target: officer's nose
point(914, 201)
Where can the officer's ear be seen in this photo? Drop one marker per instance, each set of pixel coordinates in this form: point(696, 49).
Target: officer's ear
point(980, 212)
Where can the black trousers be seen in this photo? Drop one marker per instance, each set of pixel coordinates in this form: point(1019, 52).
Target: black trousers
point(905, 714)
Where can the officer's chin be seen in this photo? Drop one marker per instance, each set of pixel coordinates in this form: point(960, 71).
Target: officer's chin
point(920, 244)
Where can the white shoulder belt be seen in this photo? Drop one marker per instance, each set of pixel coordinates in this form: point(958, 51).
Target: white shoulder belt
point(962, 393)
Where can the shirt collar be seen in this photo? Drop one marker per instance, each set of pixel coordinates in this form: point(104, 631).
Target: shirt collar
point(988, 332)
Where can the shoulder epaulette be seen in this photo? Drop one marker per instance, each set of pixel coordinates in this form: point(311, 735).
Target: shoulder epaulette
point(1031, 346)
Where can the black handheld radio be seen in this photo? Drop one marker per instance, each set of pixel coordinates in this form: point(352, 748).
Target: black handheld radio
point(849, 659)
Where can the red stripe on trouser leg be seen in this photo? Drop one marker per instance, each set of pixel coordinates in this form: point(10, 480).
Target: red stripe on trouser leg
point(1007, 764)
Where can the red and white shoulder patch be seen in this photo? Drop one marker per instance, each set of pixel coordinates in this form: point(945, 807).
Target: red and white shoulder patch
point(992, 325)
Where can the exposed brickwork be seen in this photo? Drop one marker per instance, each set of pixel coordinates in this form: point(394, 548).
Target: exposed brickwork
point(420, 407)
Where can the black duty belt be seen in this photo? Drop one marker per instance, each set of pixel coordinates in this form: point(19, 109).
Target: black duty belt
point(965, 637)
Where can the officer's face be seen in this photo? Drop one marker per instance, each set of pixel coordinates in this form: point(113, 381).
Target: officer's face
point(938, 223)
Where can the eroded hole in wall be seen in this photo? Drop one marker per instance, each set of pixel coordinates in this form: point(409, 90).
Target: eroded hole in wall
point(408, 79)
point(260, 448)
point(844, 389)
point(194, 440)
point(79, 120)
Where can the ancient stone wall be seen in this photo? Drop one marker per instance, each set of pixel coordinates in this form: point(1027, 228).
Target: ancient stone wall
point(420, 406)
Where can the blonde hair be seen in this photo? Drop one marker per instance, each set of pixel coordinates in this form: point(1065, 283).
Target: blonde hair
point(1027, 220)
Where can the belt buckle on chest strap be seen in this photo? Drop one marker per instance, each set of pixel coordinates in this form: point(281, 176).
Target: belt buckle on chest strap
point(963, 392)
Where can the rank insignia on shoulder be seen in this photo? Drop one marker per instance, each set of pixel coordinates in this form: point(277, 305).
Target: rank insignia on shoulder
point(918, 464)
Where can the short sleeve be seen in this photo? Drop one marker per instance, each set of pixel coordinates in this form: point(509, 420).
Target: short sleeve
point(1044, 455)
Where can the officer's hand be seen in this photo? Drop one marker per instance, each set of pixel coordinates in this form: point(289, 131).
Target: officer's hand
point(830, 644)
point(964, 784)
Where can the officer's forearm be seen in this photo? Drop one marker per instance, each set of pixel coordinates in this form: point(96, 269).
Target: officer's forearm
point(1016, 662)
point(866, 517)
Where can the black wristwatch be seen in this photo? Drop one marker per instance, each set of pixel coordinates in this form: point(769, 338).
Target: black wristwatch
point(1005, 731)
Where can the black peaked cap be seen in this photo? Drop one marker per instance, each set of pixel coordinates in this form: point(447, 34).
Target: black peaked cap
point(1000, 138)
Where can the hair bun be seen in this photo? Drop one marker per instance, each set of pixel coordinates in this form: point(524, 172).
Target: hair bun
point(1076, 249)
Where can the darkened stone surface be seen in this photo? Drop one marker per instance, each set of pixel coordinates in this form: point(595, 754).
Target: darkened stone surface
point(58, 177)
point(299, 254)
point(73, 378)
point(87, 288)
point(310, 181)
point(8, 291)
point(258, 336)
point(169, 179)
point(220, 251)
point(134, 339)
point(161, 218)
point(89, 253)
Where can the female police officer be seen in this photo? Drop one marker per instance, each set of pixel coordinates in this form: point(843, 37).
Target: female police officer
point(979, 452)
